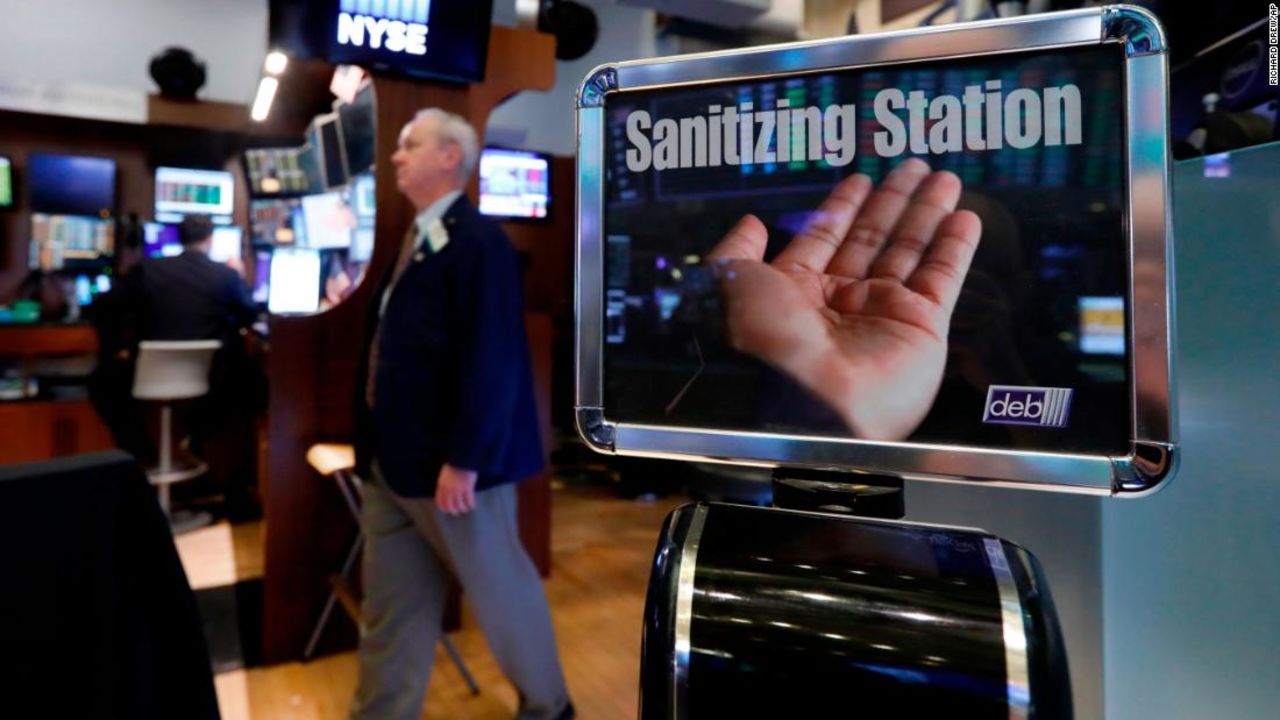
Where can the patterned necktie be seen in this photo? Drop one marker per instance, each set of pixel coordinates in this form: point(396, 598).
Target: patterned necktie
point(407, 248)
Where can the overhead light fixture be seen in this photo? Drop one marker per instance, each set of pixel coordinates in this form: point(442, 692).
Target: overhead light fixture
point(262, 103)
point(275, 63)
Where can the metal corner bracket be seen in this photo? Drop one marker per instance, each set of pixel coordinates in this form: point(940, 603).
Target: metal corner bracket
point(1147, 470)
point(602, 80)
point(1136, 27)
point(595, 430)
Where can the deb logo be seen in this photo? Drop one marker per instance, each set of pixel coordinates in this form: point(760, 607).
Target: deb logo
point(1015, 405)
point(398, 26)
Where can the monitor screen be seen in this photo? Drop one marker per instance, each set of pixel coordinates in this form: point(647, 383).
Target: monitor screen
point(329, 220)
point(161, 240)
point(356, 121)
point(71, 185)
point(276, 170)
point(330, 153)
point(87, 288)
point(1102, 325)
point(361, 244)
point(261, 276)
point(419, 38)
point(294, 281)
point(62, 241)
point(271, 222)
point(514, 183)
point(6, 182)
point(363, 199)
point(225, 246)
point(180, 192)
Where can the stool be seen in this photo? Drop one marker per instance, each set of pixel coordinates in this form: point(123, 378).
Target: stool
point(169, 370)
point(338, 462)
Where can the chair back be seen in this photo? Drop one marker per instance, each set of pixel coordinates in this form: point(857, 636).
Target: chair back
point(173, 369)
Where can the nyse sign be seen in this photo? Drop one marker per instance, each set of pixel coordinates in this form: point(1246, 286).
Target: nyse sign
point(396, 26)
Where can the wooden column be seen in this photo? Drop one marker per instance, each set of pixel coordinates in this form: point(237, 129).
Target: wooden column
point(313, 360)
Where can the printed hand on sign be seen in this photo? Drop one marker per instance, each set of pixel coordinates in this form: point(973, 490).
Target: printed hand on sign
point(857, 307)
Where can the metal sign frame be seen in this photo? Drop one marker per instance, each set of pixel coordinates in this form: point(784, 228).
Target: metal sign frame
point(1153, 443)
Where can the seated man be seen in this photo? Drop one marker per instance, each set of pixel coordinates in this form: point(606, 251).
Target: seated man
point(185, 297)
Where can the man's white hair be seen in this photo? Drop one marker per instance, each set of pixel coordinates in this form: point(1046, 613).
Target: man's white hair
point(453, 128)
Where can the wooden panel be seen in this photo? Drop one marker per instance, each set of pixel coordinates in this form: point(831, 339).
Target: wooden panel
point(47, 340)
point(43, 430)
point(230, 117)
point(313, 360)
point(535, 495)
point(548, 245)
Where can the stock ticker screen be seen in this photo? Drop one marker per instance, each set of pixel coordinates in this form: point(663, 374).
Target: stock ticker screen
point(1037, 142)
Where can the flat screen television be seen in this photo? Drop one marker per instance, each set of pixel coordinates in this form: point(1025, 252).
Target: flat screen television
point(160, 240)
point(87, 288)
point(294, 285)
point(182, 191)
point(261, 275)
point(417, 38)
point(363, 199)
point(514, 183)
point(356, 123)
point(71, 185)
point(60, 242)
point(225, 245)
point(276, 170)
point(328, 219)
point(330, 155)
point(271, 221)
point(6, 183)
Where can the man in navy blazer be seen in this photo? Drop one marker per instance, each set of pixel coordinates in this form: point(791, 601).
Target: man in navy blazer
point(446, 426)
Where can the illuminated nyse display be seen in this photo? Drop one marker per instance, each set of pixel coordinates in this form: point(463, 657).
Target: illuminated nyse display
point(398, 26)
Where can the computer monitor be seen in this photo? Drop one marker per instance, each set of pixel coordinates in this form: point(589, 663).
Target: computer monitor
point(514, 183)
point(66, 241)
point(71, 185)
point(294, 281)
point(182, 191)
point(330, 154)
point(261, 275)
point(272, 171)
point(225, 246)
point(161, 240)
point(271, 222)
point(328, 219)
point(363, 199)
point(87, 288)
point(6, 183)
point(356, 123)
point(361, 244)
point(1102, 325)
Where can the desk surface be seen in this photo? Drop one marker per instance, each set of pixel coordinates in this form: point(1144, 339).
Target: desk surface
point(18, 340)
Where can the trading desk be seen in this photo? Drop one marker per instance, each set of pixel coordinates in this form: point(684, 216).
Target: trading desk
point(48, 425)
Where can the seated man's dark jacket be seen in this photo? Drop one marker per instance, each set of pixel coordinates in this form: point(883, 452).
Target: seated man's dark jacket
point(187, 297)
point(454, 382)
